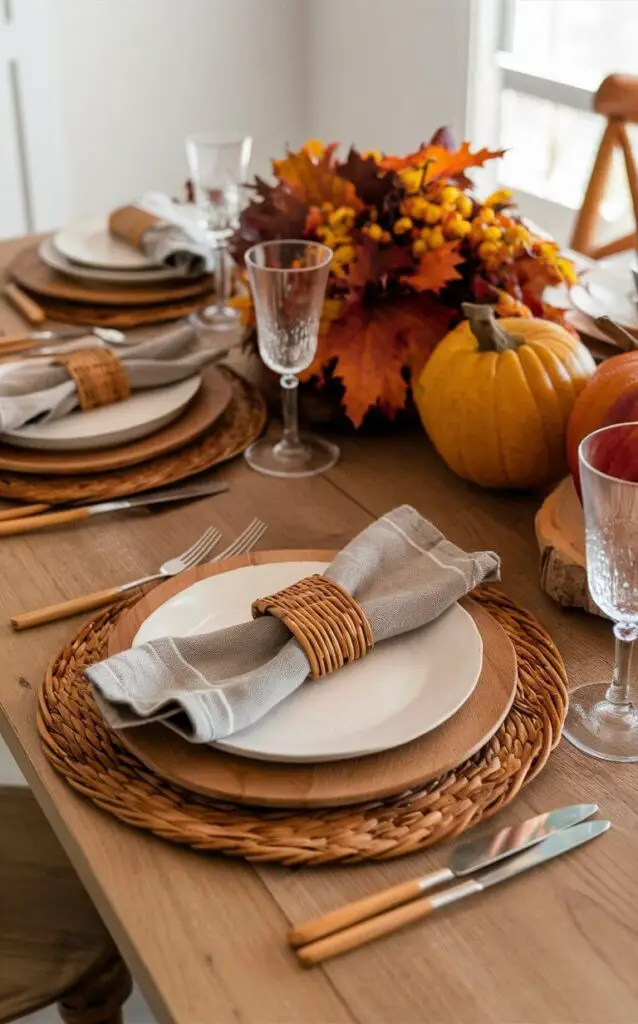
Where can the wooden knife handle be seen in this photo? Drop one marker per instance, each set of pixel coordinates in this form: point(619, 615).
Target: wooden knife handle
point(67, 608)
point(21, 510)
point(32, 523)
point(351, 913)
point(366, 931)
point(24, 304)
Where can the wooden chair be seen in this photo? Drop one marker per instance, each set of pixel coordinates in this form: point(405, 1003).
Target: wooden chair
point(53, 946)
point(617, 100)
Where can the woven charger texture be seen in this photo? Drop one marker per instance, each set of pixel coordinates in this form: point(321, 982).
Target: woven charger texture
point(241, 423)
point(80, 746)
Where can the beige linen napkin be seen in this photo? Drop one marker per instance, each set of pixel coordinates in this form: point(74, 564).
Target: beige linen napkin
point(161, 230)
point(42, 388)
point(401, 570)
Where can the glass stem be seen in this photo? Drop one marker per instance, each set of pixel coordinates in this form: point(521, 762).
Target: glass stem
point(221, 277)
point(289, 391)
point(618, 692)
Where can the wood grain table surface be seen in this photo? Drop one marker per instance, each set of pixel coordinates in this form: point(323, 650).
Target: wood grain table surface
point(205, 937)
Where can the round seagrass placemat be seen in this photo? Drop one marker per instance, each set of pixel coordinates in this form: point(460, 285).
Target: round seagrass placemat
point(81, 747)
point(241, 423)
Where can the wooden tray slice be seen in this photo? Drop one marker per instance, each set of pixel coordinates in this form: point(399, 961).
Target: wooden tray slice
point(210, 772)
point(203, 411)
point(30, 272)
point(560, 532)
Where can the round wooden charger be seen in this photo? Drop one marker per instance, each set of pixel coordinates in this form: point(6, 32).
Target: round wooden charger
point(202, 412)
point(241, 423)
point(122, 317)
point(31, 273)
point(560, 532)
point(94, 762)
point(216, 774)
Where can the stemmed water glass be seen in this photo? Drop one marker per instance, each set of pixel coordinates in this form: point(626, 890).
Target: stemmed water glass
point(602, 719)
point(288, 282)
point(218, 171)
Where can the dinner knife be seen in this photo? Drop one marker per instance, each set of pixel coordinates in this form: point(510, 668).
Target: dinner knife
point(29, 524)
point(554, 846)
point(466, 859)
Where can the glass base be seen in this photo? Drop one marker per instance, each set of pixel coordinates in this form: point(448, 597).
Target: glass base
point(215, 318)
point(280, 459)
point(597, 727)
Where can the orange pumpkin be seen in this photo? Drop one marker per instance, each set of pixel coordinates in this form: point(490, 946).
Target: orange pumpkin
point(495, 397)
point(610, 397)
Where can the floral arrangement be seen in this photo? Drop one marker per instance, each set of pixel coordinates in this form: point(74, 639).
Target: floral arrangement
point(411, 243)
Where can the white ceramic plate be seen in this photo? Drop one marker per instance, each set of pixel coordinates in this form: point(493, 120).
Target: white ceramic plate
point(89, 242)
point(138, 416)
point(404, 688)
point(54, 259)
point(604, 291)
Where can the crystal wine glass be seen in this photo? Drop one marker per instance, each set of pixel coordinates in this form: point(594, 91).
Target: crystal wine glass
point(288, 282)
point(218, 171)
point(602, 719)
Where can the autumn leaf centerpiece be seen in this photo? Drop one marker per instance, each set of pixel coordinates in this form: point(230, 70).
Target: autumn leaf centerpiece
point(411, 243)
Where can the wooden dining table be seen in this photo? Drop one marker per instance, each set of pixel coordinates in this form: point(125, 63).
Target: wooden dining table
point(205, 936)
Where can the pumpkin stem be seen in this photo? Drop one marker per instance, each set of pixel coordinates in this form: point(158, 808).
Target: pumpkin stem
point(485, 328)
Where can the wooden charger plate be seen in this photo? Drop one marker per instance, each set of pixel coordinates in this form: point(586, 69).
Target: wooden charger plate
point(123, 317)
point(206, 407)
point(221, 776)
point(32, 273)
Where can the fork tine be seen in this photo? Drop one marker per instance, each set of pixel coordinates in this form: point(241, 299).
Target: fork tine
point(244, 542)
point(203, 549)
point(208, 539)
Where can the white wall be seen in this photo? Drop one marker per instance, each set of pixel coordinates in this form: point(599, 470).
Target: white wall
point(387, 73)
point(133, 77)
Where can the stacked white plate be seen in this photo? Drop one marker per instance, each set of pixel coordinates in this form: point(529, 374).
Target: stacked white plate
point(404, 688)
point(86, 250)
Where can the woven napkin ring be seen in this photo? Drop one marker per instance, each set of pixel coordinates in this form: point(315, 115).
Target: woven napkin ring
point(329, 625)
point(131, 224)
point(99, 376)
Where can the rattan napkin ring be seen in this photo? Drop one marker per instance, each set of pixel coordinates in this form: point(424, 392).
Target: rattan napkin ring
point(130, 223)
point(99, 376)
point(327, 622)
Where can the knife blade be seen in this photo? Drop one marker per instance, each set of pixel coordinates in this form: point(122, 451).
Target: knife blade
point(351, 938)
point(467, 858)
point(166, 494)
point(29, 524)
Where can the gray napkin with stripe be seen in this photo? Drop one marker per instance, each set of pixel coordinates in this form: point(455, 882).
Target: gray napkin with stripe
point(401, 570)
point(39, 388)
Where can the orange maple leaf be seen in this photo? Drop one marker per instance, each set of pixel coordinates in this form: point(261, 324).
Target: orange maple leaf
point(441, 162)
point(313, 181)
point(373, 350)
point(436, 268)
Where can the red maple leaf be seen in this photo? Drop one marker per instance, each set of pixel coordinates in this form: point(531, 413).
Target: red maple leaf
point(373, 350)
point(436, 268)
point(374, 263)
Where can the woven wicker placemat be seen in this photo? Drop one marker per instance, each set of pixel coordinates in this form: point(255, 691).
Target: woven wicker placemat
point(241, 423)
point(81, 747)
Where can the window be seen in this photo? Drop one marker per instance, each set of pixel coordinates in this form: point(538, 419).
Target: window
point(552, 55)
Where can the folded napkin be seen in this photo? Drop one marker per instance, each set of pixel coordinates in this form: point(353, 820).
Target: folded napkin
point(43, 388)
point(401, 570)
point(161, 230)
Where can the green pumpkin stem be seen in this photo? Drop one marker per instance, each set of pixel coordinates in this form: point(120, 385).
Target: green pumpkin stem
point(485, 328)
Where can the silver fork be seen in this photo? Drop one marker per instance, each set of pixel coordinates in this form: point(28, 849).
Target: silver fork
point(193, 555)
point(245, 542)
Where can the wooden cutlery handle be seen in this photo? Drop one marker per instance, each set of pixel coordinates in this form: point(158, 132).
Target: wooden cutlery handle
point(30, 524)
point(62, 611)
point(21, 510)
point(351, 913)
point(24, 304)
point(364, 932)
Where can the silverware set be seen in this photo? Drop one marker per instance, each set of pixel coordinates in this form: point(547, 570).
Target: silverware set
point(195, 555)
point(520, 847)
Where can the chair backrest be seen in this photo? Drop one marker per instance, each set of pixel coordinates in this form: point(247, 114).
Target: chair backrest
point(617, 101)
